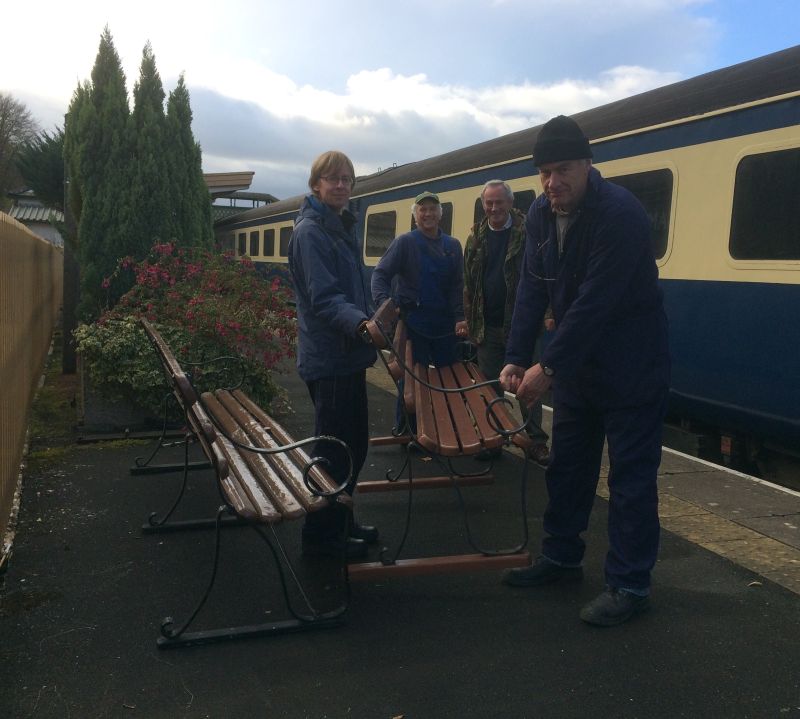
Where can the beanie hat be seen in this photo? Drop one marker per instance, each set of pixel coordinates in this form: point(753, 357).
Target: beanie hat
point(560, 139)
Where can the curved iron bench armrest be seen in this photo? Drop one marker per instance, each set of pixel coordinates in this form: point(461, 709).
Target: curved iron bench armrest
point(494, 423)
point(237, 358)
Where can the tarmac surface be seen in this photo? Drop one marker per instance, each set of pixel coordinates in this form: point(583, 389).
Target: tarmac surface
point(86, 591)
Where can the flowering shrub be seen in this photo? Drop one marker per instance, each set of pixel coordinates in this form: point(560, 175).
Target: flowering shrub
point(206, 305)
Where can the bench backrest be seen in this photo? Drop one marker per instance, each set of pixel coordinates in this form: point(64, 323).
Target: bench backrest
point(199, 422)
point(382, 324)
point(258, 486)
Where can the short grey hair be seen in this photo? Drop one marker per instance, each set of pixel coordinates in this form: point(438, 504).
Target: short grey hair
point(499, 183)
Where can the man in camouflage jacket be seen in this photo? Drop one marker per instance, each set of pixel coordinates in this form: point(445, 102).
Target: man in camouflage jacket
point(492, 262)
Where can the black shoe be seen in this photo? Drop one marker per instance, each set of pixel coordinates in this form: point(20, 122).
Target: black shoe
point(364, 532)
point(540, 454)
point(541, 572)
point(351, 549)
point(489, 455)
point(614, 606)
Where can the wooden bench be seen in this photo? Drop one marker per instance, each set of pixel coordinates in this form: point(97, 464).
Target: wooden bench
point(451, 403)
point(458, 414)
point(264, 478)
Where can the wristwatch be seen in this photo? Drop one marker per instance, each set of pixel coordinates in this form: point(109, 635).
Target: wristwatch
point(548, 371)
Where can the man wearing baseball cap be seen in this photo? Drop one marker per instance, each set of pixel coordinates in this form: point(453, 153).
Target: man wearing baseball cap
point(589, 257)
point(423, 272)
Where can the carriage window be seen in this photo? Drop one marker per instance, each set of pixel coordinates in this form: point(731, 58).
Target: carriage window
point(654, 190)
point(765, 223)
point(269, 243)
point(381, 228)
point(522, 202)
point(286, 235)
point(228, 242)
point(446, 223)
point(242, 250)
point(254, 238)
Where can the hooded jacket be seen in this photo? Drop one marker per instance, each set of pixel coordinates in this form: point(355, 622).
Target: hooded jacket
point(332, 299)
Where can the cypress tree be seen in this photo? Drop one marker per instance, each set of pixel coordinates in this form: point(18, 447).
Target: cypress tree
point(191, 205)
point(149, 195)
point(105, 176)
point(74, 122)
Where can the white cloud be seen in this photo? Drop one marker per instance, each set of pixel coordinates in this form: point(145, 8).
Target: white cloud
point(382, 118)
point(273, 85)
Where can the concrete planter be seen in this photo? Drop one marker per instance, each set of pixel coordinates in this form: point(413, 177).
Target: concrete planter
point(98, 414)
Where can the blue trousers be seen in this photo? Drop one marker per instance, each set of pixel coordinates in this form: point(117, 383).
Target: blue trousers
point(634, 450)
point(437, 349)
point(340, 410)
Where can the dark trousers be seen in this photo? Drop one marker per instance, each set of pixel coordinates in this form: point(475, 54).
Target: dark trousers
point(438, 350)
point(340, 410)
point(634, 450)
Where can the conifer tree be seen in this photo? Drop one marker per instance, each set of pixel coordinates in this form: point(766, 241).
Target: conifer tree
point(134, 177)
point(191, 206)
point(74, 121)
point(104, 176)
point(149, 194)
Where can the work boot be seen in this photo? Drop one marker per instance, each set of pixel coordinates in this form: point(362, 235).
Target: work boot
point(541, 572)
point(614, 606)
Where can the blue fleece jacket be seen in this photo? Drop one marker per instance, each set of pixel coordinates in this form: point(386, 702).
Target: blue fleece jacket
point(398, 272)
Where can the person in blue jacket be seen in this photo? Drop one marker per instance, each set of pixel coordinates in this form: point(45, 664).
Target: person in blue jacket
point(332, 303)
point(588, 255)
point(423, 272)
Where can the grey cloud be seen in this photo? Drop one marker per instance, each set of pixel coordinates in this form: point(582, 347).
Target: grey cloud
point(281, 150)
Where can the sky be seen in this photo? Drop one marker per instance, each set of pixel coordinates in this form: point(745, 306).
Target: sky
point(274, 84)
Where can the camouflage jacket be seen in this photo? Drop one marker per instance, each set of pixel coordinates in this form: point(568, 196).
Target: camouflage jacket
point(474, 262)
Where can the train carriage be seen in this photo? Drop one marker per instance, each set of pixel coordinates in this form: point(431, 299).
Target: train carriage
point(716, 162)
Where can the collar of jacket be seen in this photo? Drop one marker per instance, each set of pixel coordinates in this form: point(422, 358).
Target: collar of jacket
point(327, 217)
point(482, 228)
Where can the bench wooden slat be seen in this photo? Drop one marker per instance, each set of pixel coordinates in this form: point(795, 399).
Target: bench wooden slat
point(267, 490)
point(280, 469)
point(299, 456)
point(409, 394)
point(234, 482)
point(441, 433)
point(458, 403)
point(507, 421)
point(223, 455)
point(400, 335)
point(478, 400)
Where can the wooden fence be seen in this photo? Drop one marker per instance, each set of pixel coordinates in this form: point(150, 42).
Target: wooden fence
point(30, 297)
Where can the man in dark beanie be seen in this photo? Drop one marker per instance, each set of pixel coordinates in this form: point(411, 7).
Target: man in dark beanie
point(589, 257)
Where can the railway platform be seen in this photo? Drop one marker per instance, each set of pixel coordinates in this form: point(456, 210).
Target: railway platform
point(86, 591)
